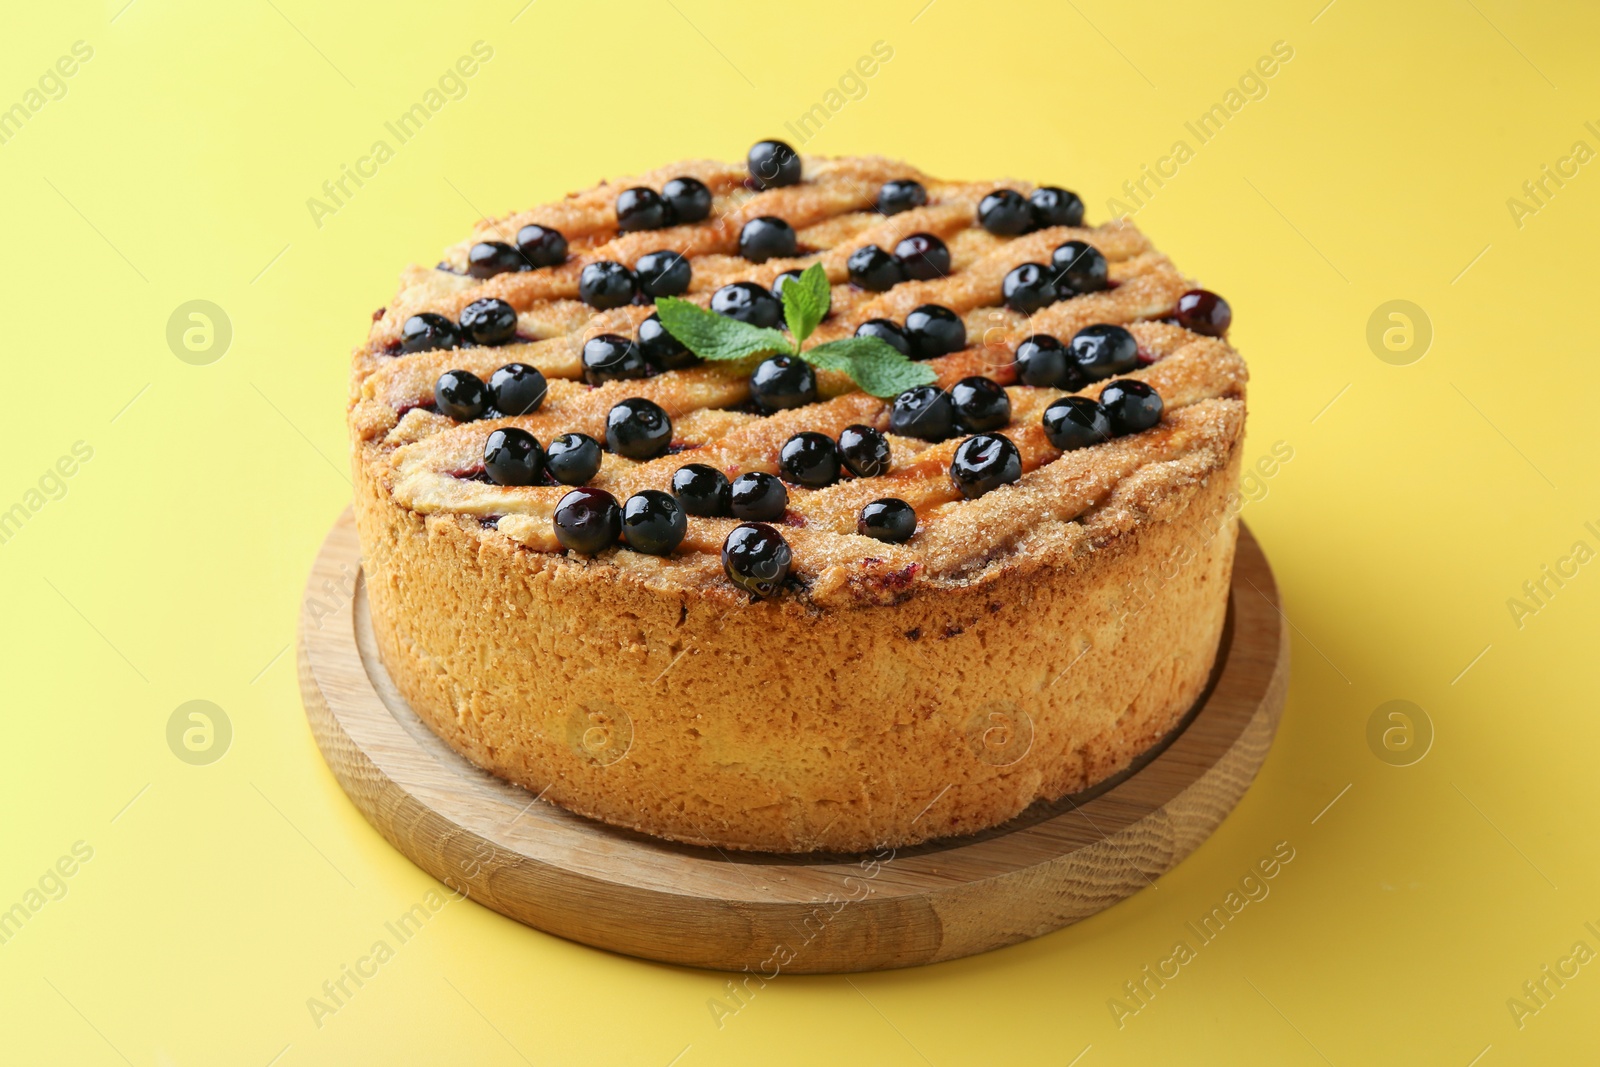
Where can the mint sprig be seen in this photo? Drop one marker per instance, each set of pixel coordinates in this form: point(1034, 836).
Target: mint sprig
point(872, 363)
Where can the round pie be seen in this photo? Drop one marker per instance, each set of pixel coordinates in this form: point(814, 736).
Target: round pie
point(859, 620)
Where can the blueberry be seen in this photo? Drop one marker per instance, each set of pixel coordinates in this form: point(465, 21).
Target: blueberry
point(923, 257)
point(885, 331)
point(934, 331)
point(605, 285)
point(767, 237)
point(758, 496)
point(573, 458)
point(1005, 213)
point(1076, 422)
point(425, 330)
point(1054, 206)
point(610, 357)
point(517, 389)
point(773, 164)
point(780, 382)
point(1027, 288)
point(513, 457)
point(588, 521)
point(889, 519)
point(490, 321)
point(1131, 406)
point(981, 404)
point(688, 198)
point(874, 269)
point(1205, 312)
point(461, 395)
point(702, 490)
point(747, 302)
point(641, 208)
point(661, 349)
point(781, 280)
point(638, 429)
point(663, 273)
point(864, 450)
point(902, 194)
point(923, 411)
point(653, 522)
point(985, 463)
point(810, 459)
point(541, 246)
point(1103, 350)
point(1077, 267)
point(1044, 362)
point(488, 258)
point(756, 558)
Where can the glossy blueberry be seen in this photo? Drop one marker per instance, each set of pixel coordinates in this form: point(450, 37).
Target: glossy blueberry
point(767, 237)
point(610, 357)
point(781, 382)
point(1103, 350)
point(488, 258)
point(1077, 267)
point(886, 331)
point(1131, 406)
point(981, 404)
point(773, 164)
point(1027, 288)
point(513, 457)
point(1053, 206)
point(661, 349)
point(641, 208)
point(702, 490)
point(688, 198)
point(541, 246)
point(923, 257)
point(747, 302)
point(985, 463)
point(874, 269)
point(756, 558)
point(899, 195)
point(572, 458)
point(638, 429)
point(889, 519)
point(1044, 362)
point(461, 395)
point(606, 285)
point(1005, 213)
point(1075, 422)
point(781, 280)
point(923, 411)
point(758, 496)
point(490, 321)
point(864, 450)
point(588, 521)
point(934, 330)
point(810, 459)
point(1205, 312)
point(653, 522)
point(663, 273)
point(425, 331)
point(517, 389)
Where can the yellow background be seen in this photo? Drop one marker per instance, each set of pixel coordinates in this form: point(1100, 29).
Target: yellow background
point(219, 898)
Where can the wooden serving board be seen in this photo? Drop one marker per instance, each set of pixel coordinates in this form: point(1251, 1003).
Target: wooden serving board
point(538, 863)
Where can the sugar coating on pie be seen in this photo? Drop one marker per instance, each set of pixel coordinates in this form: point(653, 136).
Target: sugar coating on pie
point(1027, 641)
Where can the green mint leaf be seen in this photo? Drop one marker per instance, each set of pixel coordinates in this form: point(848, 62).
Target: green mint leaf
point(716, 337)
point(872, 363)
point(805, 301)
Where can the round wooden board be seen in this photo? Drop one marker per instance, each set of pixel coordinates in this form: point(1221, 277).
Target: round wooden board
point(538, 863)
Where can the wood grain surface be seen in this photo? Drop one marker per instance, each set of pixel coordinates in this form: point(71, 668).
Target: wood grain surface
point(627, 892)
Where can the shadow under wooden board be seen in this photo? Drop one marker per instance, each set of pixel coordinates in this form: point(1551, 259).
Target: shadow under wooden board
point(615, 889)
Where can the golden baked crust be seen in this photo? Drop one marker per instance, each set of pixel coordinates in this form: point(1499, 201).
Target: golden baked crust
point(1023, 645)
